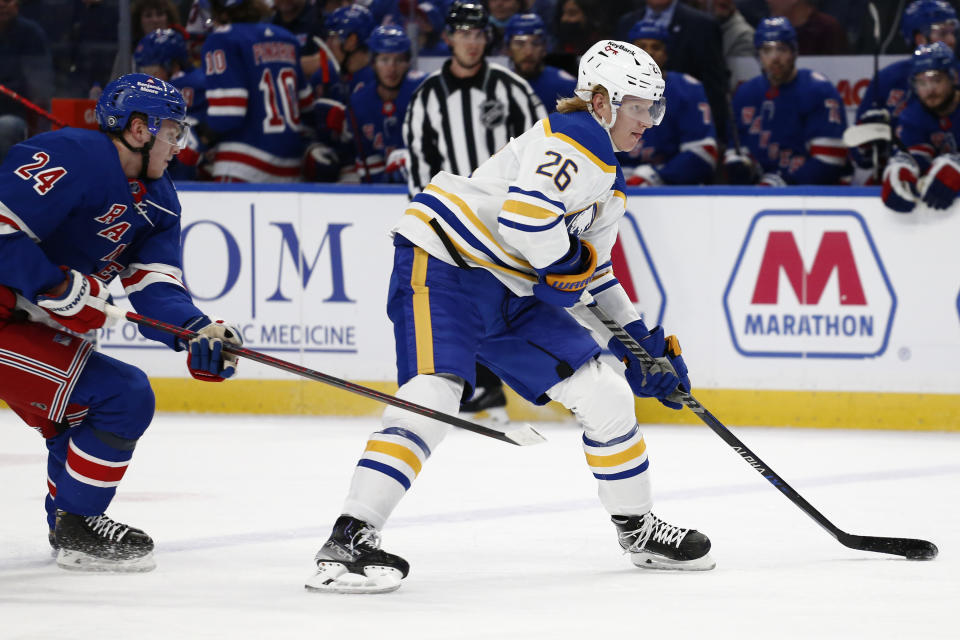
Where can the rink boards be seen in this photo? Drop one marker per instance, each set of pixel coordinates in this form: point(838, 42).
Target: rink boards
point(801, 306)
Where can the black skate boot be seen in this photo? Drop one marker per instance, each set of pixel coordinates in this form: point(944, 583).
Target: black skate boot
point(351, 561)
point(487, 396)
point(97, 543)
point(654, 544)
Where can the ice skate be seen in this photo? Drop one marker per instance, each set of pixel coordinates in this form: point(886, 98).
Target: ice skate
point(98, 543)
point(490, 403)
point(351, 561)
point(654, 544)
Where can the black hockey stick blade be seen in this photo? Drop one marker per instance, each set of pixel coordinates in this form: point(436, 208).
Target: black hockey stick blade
point(907, 547)
point(523, 435)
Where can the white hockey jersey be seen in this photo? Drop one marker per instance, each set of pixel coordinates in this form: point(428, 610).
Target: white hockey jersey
point(513, 215)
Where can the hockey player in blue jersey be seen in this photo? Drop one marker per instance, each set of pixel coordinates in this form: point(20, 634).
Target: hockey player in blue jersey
point(923, 22)
point(163, 54)
point(492, 267)
point(526, 38)
point(930, 172)
point(377, 109)
point(258, 98)
point(347, 31)
point(789, 122)
point(78, 209)
point(682, 150)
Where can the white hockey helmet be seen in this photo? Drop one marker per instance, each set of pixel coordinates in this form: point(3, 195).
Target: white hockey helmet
point(623, 69)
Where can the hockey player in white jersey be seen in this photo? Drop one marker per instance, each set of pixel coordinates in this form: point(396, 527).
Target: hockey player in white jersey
point(486, 269)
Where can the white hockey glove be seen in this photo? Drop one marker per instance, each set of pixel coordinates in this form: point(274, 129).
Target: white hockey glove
point(644, 176)
point(899, 191)
point(397, 162)
point(942, 182)
point(772, 180)
point(739, 167)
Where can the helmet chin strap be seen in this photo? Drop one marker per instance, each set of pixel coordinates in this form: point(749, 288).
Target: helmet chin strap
point(144, 152)
point(607, 125)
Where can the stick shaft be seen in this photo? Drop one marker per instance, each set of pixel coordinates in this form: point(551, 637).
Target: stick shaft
point(289, 367)
point(33, 107)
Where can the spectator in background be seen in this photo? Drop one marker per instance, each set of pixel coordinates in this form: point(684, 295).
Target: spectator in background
point(695, 47)
point(378, 108)
point(256, 94)
point(526, 40)
point(302, 19)
point(683, 149)
point(578, 24)
point(737, 32)
point(818, 33)
point(788, 121)
point(429, 22)
point(26, 67)
point(500, 13)
point(458, 117)
point(924, 22)
point(926, 128)
point(149, 15)
point(163, 54)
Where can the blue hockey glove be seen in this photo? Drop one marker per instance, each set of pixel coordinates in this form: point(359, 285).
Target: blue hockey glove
point(562, 283)
point(206, 358)
point(659, 384)
point(942, 181)
point(899, 191)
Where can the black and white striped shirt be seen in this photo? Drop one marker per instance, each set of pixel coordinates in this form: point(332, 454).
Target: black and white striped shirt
point(454, 124)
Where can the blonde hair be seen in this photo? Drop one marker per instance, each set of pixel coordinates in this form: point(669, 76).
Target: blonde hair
point(576, 103)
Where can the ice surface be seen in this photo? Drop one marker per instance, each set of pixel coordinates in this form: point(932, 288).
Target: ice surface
point(503, 541)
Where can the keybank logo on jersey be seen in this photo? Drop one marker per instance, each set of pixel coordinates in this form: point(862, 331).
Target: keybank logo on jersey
point(809, 284)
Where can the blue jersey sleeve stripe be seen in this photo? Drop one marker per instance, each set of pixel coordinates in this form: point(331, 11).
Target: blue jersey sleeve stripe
point(604, 286)
point(451, 218)
point(537, 194)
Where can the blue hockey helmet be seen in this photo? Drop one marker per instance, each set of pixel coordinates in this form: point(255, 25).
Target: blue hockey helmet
point(775, 30)
point(140, 93)
point(524, 24)
point(933, 57)
point(648, 30)
point(161, 47)
point(923, 14)
point(433, 14)
point(389, 39)
point(351, 19)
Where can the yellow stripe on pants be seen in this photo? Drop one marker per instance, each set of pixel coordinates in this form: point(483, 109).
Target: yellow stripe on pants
point(422, 326)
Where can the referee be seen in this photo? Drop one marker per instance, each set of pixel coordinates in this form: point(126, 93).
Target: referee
point(468, 109)
point(460, 116)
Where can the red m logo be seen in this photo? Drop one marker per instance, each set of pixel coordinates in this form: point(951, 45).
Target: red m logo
point(834, 253)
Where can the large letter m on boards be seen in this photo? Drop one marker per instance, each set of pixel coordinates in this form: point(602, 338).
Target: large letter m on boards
point(834, 252)
point(290, 242)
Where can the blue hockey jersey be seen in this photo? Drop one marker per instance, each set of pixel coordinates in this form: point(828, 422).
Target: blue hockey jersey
point(682, 148)
point(795, 129)
point(551, 85)
point(925, 134)
point(256, 94)
point(64, 200)
point(378, 126)
point(192, 86)
point(889, 90)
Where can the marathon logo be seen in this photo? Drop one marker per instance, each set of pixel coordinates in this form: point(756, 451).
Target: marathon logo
point(809, 284)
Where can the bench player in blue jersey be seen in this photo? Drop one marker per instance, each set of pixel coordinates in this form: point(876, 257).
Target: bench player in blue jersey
point(788, 122)
point(163, 54)
point(682, 150)
point(79, 209)
point(525, 35)
point(490, 267)
point(929, 171)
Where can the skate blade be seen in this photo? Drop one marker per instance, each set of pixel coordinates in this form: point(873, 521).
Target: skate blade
point(79, 561)
point(646, 560)
point(333, 577)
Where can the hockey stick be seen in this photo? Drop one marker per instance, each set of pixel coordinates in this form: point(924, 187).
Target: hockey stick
point(908, 547)
point(29, 105)
point(524, 435)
